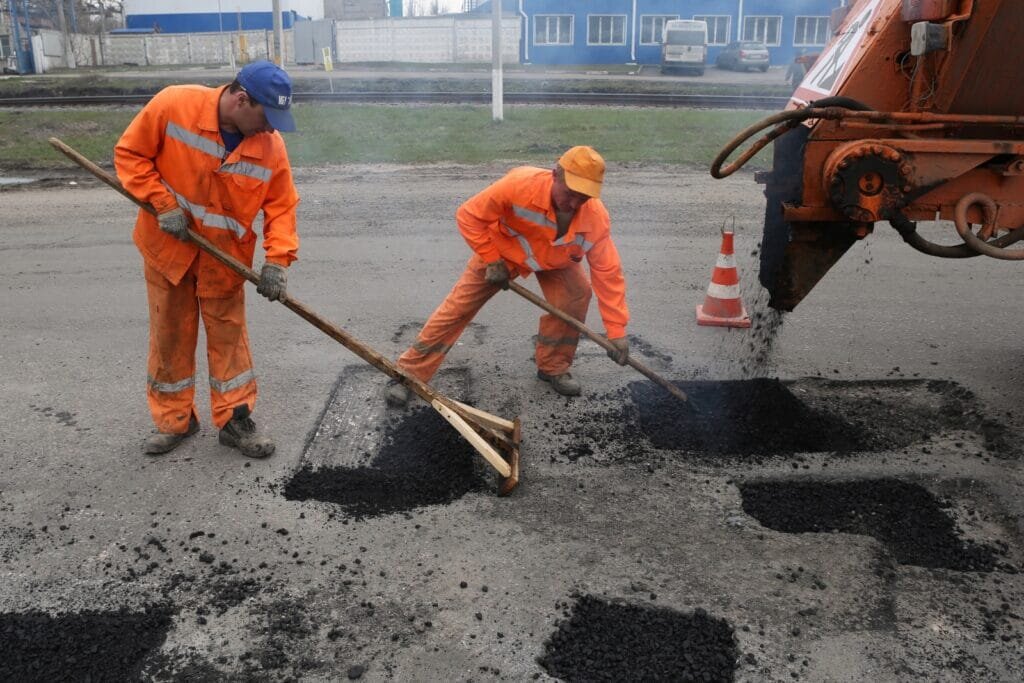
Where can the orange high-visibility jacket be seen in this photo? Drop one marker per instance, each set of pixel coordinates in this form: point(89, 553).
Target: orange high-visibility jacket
point(172, 155)
point(514, 219)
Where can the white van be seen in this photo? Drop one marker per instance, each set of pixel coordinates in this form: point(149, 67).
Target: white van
point(684, 46)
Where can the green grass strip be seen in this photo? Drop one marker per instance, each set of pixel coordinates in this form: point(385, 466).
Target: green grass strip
point(338, 134)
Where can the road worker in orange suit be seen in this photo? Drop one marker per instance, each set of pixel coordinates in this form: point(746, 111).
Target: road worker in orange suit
point(542, 221)
point(209, 160)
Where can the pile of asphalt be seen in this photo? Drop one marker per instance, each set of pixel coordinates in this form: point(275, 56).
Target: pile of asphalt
point(905, 517)
point(603, 641)
point(80, 646)
point(756, 416)
point(423, 461)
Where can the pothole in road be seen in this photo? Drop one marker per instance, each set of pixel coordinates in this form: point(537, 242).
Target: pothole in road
point(604, 641)
point(744, 416)
point(422, 461)
point(80, 646)
point(905, 517)
point(761, 418)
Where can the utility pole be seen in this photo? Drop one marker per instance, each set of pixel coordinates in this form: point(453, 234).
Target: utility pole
point(497, 83)
point(69, 52)
point(103, 32)
point(278, 34)
point(223, 49)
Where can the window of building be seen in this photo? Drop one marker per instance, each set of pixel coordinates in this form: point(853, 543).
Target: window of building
point(718, 28)
point(652, 28)
point(606, 29)
point(810, 31)
point(552, 29)
point(762, 30)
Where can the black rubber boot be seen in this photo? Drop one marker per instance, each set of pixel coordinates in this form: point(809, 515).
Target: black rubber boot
point(240, 432)
point(161, 442)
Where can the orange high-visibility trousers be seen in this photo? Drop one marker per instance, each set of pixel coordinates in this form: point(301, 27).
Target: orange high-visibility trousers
point(174, 312)
point(566, 288)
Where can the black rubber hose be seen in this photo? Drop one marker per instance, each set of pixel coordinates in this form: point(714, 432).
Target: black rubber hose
point(963, 228)
point(784, 122)
point(839, 101)
point(908, 231)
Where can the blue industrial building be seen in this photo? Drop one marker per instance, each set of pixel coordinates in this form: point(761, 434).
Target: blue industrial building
point(203, 16)
point(629, 31)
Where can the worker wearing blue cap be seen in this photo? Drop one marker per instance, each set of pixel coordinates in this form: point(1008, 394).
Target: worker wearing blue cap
point(270, 90)
point(210, 160)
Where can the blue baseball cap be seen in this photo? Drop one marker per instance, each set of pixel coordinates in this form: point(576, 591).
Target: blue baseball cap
point(269, 85)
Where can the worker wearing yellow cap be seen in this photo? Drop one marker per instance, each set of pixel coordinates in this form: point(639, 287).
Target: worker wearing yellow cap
point(542, 221)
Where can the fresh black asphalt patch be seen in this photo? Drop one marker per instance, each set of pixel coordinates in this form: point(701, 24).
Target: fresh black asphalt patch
point(762, 418)
point(905, 517)
point(605, 641)
point(80, 646)
point(745, 416)
point(423, 461)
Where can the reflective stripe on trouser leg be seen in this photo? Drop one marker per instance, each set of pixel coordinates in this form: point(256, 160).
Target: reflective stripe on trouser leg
point(232, 382)
point(568, 289)
point(442, 330)
point(173, 329)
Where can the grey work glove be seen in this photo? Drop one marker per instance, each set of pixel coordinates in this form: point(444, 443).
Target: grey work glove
point(174, 223)
point(273, 282)
point(620, 354)
point(497, 274)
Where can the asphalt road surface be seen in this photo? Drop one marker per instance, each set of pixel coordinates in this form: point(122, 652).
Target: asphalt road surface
point(913, 361)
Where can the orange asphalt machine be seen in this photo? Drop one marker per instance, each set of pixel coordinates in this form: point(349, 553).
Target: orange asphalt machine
point(912, 112)
point(493, 437)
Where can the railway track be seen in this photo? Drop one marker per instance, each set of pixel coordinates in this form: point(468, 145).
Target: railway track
point(549, 98)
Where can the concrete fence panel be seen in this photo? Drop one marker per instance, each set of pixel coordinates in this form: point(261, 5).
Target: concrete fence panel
point(425, 40)
point(190, 48)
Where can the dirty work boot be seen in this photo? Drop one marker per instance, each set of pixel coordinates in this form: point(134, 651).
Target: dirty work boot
point(564, 384)
point(397, 394)
point(161, 442)
point(240, 433)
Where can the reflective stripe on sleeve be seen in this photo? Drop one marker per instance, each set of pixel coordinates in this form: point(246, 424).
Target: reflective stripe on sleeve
point(583, 243)
point(525, 244)
point(236, 382)
point(247, 169)
point(564, 239)
point(170, 387)
point(208, 218)
point(195, 140)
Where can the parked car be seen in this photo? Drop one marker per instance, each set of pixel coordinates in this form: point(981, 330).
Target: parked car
point(684, 46)
point(745, 55)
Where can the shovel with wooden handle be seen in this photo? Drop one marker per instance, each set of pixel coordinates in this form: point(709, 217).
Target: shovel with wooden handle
point(600, 339)
point(487, 433)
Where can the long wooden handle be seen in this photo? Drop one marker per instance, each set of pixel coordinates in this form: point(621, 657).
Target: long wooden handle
point(378, 361)
point(601, 340)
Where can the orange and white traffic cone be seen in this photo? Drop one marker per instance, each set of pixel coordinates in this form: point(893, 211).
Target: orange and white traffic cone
point(722, 306)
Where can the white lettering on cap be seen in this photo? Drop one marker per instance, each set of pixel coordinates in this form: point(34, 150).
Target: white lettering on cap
point(283, 100)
